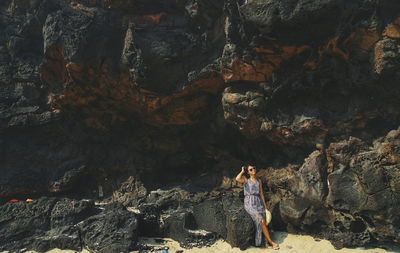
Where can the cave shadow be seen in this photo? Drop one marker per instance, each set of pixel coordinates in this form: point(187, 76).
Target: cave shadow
point(278, 236)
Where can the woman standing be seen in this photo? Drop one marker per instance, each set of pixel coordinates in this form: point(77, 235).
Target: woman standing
point(254, 204)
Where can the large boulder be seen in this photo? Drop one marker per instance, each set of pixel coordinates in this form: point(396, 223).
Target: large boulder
point(113, 230)
point(240, 229)
point(43, 224)
point(351, 201)
point(64, 223)
point(22, 221)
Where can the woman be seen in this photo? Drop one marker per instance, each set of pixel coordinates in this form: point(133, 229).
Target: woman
point(254, 204)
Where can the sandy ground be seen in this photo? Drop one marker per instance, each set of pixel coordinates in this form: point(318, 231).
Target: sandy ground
point(289, 243)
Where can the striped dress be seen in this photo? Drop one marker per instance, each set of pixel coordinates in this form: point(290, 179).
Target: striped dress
point(254, 206)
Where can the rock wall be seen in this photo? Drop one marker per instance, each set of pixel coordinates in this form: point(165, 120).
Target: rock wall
point(114, 99)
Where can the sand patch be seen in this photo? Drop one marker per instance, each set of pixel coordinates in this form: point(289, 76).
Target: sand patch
point(289, 243)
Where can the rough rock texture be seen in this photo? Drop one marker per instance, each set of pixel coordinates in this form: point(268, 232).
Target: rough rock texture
point(43, 224)
point(114, 230)
point(65, 223)
point(355, 204)
point(196, 219)
point(123, 100)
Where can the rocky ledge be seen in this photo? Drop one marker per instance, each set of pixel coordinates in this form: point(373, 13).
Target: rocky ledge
point(127, 118)
point(194, 220)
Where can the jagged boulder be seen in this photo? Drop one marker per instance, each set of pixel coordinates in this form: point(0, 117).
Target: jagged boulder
point(113, 230)
point(64, 223)
point(43, 224)
point(351, 201)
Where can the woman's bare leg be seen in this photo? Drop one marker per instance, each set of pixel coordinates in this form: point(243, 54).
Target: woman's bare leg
point(266, 233)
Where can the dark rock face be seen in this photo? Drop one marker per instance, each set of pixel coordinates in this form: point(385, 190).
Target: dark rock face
point(196, 219)
point(68, 224)
point(356, 204)
point(114, 230)
point(156, 105)
point(43, 224)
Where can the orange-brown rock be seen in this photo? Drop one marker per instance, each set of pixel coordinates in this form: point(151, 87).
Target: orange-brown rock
point(393, 30)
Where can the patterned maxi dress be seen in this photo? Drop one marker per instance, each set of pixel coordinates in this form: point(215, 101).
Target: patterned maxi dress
point(253, 205)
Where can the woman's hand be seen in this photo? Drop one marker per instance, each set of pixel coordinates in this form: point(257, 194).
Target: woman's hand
point(243, 169)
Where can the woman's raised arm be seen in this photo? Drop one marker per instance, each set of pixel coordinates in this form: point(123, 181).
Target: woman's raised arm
point(240, 178)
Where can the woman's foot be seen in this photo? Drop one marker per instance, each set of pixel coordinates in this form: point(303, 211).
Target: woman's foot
point(268, 246)
point(275, 246)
